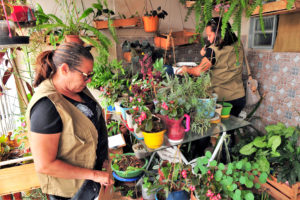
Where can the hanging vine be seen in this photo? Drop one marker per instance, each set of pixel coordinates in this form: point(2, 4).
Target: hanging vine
point(231, 10)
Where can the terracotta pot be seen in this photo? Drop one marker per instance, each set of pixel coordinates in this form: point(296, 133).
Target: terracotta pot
point(150, 23)
point(73, 38)
point(175, 128)
point(127, 56)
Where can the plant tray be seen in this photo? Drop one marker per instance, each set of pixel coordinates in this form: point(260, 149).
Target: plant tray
point(281, 191)
point(180, 38)
point(130, 22)
point(276, 7)
point(17, 179)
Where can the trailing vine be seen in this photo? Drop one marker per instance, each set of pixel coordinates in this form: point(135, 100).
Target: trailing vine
point(204, 8)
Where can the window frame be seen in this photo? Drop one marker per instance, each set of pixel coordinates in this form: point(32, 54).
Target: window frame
point(252, 33)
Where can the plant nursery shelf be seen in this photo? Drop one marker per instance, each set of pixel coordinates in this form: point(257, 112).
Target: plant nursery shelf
point(277, 7)
point(281, 191)
point(130, 22)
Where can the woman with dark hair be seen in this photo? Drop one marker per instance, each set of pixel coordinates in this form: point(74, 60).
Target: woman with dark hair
point(68, 136)
point(219, 58)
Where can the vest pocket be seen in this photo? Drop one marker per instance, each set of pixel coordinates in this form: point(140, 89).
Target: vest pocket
point(79, 139)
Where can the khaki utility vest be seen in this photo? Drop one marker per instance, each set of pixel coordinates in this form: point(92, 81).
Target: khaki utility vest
point(226, 75)
point(77, 143)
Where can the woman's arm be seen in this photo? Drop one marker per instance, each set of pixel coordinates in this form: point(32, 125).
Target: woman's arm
point(196, 71)
point(44, 150)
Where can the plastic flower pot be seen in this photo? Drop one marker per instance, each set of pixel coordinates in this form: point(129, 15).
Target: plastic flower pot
point(154, 140)
point(129, 121)
point(207, 106)
point(150, 23)
point(129, 174)
point(226, 110)
point(148, 195)
point(181, 194)
point(123, 111)
point(139, 151)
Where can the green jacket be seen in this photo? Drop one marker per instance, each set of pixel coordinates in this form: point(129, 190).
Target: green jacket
point(226, 75)
point(77, 144)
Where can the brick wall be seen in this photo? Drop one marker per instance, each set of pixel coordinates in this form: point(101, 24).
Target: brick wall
point(279, 76)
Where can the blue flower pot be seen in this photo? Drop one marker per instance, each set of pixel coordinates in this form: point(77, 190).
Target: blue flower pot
point(123, 111)
point(177, 195)
point(207, 107)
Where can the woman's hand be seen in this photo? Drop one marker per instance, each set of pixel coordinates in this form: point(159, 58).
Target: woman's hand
point(182, 70)
point(202, 52)
point(104, 178)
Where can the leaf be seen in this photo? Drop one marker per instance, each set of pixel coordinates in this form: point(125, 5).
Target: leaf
point(232, 187)
point(208, 154)
point(239, 165)
point(263, 178)
point(248, 149)
point(264, 165)
point(248, 166)
point(249, 196)
point(257, 185)
point(213, 163)
point(237, 194)
point(274, 142)
point(221, 166)
point(205, 160)
point(242, 179)
point(218, 175)
point(86, 13)
point(259, 142)
point(249, 183)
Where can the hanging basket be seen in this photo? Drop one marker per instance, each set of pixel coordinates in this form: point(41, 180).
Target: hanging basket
point(179, 38)
point(73, 38)
point(150, 23)
point(130, 22)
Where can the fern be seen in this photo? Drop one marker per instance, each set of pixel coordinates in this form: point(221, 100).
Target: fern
point(207, 10)
point(290, 4)
point(227, 16)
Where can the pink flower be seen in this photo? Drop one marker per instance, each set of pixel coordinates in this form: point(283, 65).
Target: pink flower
point(143, 116)
point(23, 124)
point(164, 106)
point(209, 193)
point(208, 172)
point(219, 196)
point(139, 100)
point(101, 89)
point(130, 99)
point(192, 188)
point(183, 173)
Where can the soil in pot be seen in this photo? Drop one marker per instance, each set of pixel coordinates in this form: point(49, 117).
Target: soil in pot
point(129, 160)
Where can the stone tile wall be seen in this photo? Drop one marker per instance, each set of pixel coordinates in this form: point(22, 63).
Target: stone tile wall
point(279, 77)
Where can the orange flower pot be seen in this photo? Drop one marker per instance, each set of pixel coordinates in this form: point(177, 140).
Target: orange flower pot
point(150, 23)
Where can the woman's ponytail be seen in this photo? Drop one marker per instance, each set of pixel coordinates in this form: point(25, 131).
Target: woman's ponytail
point(44, 67)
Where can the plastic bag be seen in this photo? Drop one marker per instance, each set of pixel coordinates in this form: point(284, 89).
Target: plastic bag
point(252, 94)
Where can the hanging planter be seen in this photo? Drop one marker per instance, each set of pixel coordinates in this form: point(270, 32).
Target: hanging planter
point(165, 41)
point(150, 23)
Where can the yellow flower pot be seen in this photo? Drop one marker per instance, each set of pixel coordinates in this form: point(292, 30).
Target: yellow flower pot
point(154, 140)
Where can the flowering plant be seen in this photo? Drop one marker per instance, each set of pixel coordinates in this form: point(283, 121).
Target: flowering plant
point(218, 181)
point(145, 121)
point(174, 177)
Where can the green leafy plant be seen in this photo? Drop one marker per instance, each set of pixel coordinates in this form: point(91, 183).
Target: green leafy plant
point(235, 180)
point(113, 128)
point(287, 165)
point(262, 148)
point(157, 12)
point(75, 23)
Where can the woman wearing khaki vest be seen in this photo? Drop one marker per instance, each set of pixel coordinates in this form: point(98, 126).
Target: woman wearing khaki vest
point(219, 58)
point(68, 136)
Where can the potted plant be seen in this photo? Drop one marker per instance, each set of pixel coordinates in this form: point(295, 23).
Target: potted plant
point(128, 166)
point(151, 126)
point(277, 151)
point(151, 19)
point(73, 28)
point(175, 181)
point(146, 188)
